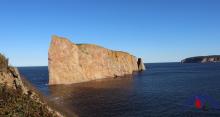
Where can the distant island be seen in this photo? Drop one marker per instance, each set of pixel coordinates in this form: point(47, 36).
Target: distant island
point(73, 63)
point(202, 59)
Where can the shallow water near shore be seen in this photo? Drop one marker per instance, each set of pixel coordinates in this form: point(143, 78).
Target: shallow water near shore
point(164, 89)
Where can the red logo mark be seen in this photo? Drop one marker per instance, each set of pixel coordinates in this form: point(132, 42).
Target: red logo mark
point(198, 103)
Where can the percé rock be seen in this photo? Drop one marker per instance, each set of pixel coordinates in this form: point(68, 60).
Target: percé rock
point(74, 63)
point(202, 59)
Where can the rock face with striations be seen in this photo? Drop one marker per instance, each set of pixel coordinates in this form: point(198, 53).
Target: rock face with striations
point(10, 76)
point(74, 63)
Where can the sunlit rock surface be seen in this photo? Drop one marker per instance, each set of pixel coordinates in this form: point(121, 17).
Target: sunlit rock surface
point(74, 63)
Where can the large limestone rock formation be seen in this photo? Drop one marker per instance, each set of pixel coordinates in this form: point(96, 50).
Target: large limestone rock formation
point(74, 63)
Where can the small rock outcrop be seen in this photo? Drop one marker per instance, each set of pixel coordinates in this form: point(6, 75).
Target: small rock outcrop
point(140, 64)
point(74, 63)
point(202, 59)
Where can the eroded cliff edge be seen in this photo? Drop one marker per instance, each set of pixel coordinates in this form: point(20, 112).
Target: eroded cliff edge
point(202, 59)
point(18, 98)
point(74, 63)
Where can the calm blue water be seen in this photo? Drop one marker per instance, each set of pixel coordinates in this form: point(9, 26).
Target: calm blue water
point(163, 90)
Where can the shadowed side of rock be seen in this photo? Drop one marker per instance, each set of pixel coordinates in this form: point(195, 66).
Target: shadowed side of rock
point(74, 63)
point(141, 66)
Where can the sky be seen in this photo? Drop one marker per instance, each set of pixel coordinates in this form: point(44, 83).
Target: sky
point(156, 30)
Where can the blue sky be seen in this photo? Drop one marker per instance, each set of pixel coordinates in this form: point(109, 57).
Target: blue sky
point(156, 30)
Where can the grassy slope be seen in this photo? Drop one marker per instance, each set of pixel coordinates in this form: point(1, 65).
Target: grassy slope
point(15, 104)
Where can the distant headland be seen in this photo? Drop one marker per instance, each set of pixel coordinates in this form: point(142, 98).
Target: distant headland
point(202, 59)
point(73, 63)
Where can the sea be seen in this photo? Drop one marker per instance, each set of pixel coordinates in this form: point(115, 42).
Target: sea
point(163, 90)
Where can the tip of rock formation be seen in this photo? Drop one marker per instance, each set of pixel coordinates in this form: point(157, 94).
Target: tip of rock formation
point(73, 63)
point(141, 66)
point(58, 39)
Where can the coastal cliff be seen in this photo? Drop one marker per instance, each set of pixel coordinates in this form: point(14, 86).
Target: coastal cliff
point(74, 63)
point(17, 98)
point(202, 59)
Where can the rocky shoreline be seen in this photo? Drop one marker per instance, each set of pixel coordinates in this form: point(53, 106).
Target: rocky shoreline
point(17, 99)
